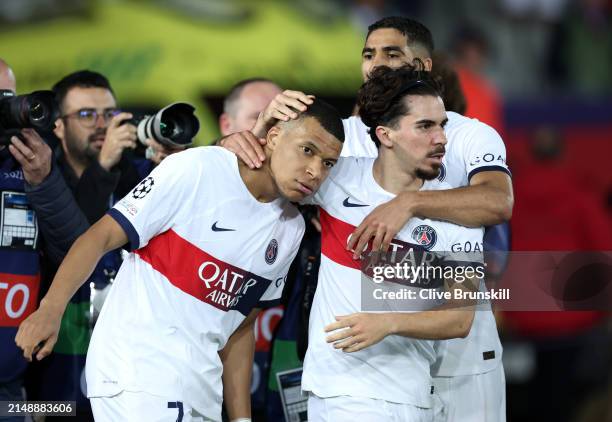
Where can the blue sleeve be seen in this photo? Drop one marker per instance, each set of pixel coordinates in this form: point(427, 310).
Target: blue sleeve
point(127, 227)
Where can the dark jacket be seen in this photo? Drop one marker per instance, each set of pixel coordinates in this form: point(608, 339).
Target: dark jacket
point(66, 205)
point(98, 189)
point(59, 218)
point(21, 252)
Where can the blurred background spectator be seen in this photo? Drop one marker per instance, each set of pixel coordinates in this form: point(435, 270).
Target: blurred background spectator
point(581, 49)
point(561, 358)
point(243, 103)
point(471, 53)
point(539, 71)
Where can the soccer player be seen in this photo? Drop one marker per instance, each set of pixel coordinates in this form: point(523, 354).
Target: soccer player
point(212, 242)
point(473, 189)
point(389, 380)
point(462, 352)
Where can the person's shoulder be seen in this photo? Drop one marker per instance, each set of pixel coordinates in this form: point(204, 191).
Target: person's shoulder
point(357, 139)
point(213, 152)
point(459, 122)
point(200, 158)
point(460, 127)
point(353, 121)
point(349, 168)
point(354, 128)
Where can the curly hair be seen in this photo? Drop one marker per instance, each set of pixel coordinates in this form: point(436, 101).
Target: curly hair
point(380, 98)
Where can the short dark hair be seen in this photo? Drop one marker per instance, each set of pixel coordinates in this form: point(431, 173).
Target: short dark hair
point(327, 116)
point(416, 33)
point(80, 79)
point(234, 93)
point(380, 97)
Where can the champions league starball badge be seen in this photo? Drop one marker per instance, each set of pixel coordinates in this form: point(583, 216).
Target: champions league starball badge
point(143, 188)
point(271, 251)
point(425, 236)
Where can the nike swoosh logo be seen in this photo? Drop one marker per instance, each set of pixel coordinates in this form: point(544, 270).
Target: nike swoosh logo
point(346, 203)
point(220, 229)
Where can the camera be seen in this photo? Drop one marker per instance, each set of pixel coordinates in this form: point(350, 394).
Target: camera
point(37, 110)
point(173, 126)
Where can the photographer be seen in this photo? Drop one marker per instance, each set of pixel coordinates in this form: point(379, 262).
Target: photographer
point(93, 141)
point(21, 246)
point(94, 159)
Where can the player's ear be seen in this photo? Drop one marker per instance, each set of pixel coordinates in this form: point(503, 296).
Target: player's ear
point(272, 137)
point(382, 133)
point(225, 124)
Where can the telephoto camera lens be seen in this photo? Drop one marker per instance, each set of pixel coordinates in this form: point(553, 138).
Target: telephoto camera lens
point(173, 126)
point(37, 110)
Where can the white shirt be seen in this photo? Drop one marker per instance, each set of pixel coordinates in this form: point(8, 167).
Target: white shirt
point(206, 253)
point(398, 368)
point(472, 147)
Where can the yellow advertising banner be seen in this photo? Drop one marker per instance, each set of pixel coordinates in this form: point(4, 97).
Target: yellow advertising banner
point(154, 55)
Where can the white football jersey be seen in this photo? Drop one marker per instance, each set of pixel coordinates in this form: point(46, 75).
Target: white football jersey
point(398, 368)
point(205, 253)
point(472, 147)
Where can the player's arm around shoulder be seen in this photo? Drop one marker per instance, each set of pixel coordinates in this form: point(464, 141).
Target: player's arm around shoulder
point(484, 156)
point(494, 195)
point(38, 333)
point(488, 199)
point(237, 358)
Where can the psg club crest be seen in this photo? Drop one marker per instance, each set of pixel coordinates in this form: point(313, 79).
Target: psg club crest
point(425, 236)
point(271, 251)
point(143, 188)
point(442, 174)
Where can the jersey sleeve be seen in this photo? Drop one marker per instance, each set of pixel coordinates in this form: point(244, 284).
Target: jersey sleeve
point(464, 252)
point(273, 293)
point(357, 139)
point(154, 204)
point(318, 197)
point(484, 151)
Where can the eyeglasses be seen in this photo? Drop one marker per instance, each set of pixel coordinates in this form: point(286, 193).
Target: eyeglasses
point(89, 116)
